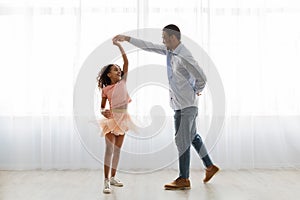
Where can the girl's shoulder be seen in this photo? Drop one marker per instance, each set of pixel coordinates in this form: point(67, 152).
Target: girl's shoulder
point(108, 87)
point(123, 81)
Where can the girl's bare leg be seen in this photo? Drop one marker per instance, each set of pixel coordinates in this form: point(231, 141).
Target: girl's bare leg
point(110, 141)
point(116, 153)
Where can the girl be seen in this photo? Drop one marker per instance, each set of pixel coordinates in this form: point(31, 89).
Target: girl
point(112, 81)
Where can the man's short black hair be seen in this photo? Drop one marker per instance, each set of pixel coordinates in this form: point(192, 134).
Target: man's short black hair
point(172, 29)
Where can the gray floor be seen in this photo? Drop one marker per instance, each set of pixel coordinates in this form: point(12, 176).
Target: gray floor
point(87, 184)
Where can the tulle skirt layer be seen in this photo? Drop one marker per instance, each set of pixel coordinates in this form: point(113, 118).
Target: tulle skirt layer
point(118, 124)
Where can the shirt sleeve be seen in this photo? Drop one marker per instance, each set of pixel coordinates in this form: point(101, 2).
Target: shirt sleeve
point(195, 70)
point(104, 95)
point(148, 46)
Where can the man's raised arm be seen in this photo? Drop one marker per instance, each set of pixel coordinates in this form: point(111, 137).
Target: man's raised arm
point(145, 45)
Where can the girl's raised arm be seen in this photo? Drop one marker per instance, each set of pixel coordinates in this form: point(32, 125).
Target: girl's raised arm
point(125, 60)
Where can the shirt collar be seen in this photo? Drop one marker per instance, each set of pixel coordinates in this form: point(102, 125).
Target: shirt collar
point(178, 48)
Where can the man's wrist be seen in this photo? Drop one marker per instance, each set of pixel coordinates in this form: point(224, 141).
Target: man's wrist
point(127, 38)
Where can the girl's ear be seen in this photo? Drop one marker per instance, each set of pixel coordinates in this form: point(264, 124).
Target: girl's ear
point(109, 75)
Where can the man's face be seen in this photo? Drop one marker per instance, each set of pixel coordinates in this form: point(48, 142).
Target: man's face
point(166, 39)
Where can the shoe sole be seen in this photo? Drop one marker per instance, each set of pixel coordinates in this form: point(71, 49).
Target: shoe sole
point(180, 188)
point(117, 185)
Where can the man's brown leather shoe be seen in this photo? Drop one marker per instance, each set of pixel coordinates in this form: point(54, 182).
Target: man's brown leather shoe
point(210, 172)
point(179, 184)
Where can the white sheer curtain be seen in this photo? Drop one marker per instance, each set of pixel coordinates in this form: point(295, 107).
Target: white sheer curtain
point(255, 46)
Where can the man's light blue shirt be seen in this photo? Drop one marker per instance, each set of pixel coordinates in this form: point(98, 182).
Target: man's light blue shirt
point(186, 78)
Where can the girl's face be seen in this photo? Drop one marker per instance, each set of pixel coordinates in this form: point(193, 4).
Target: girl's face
point(114, 73)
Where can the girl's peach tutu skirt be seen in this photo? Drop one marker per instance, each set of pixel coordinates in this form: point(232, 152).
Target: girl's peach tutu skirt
point(118, 124)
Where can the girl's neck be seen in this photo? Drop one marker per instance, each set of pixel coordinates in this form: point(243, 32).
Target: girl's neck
point(114, 81)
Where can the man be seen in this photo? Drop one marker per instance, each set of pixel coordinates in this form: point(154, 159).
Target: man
point(186, 82)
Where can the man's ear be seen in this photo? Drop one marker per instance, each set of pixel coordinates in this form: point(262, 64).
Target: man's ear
point(173, 37)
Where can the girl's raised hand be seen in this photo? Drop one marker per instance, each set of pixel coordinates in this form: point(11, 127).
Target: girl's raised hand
point(115, 42)
point(120, 38)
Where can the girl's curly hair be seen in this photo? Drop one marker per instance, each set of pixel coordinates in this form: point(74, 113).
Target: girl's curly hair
point(102, 78)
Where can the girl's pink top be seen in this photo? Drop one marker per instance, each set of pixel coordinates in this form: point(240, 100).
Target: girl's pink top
point(116, 94)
